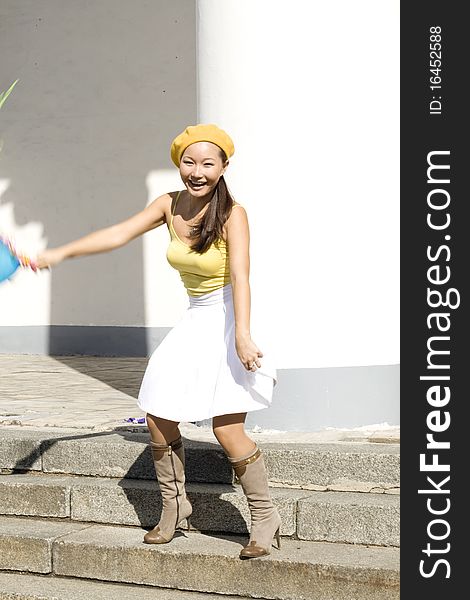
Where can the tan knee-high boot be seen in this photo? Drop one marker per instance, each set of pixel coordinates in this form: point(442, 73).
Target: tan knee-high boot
point(169, 466)
point(265, 520)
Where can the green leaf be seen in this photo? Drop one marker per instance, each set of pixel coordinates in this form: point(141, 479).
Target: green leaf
point(4, 95)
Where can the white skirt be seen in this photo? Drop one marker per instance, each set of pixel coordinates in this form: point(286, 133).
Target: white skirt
point(195, 373)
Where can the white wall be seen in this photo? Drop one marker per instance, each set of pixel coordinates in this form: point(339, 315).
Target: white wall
point(310, 92)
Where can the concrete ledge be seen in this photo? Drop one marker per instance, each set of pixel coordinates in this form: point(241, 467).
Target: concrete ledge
point(26, 544)
point(319, 516)
point(20, 586)
point(211, 564)
point(346, 465)
point(349, 517)
point(33, 495)
point(19, 453)
point(196, 562)
point(216, 507)
point(113, 455)
point(332, 464)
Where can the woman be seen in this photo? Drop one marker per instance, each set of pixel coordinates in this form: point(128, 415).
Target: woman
point(207, 366)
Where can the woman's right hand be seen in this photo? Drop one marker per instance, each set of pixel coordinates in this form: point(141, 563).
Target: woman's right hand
point(248, 352)
point(49, 258)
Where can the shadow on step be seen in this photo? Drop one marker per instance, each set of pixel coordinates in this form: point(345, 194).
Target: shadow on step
point(109, 454)
point(209, 478)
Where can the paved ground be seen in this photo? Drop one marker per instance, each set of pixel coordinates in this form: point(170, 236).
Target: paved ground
point(99, 393)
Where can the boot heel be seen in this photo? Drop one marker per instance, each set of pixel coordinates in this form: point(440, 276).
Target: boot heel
point(278, 538)
point(190, 527)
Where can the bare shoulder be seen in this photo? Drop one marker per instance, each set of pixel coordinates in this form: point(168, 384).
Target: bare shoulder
point(236, 223)
point(237, 214)
point(166, 203)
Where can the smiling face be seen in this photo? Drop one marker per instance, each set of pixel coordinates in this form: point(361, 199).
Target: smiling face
point(201, 167)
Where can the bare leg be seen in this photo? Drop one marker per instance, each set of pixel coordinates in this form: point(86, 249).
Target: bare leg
point(162, 431)
point(231, 435)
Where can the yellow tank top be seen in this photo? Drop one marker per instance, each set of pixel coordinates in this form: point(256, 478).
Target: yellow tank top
point(200, 273)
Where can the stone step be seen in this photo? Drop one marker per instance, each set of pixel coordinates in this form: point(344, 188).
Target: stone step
point(350, 466)
point(300, 570)
point(322, 516)
point(21, 586)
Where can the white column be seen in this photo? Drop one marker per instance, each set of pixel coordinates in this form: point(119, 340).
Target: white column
point(309, 92)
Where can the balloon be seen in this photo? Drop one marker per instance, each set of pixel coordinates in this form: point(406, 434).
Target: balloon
point(8, 262)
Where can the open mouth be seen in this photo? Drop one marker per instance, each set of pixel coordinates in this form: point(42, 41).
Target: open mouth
point(196, 186)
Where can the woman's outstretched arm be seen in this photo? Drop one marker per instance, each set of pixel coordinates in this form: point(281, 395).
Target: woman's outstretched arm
point(109, 238)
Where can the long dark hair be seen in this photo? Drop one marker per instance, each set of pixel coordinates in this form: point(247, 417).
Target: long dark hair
point(210, 228)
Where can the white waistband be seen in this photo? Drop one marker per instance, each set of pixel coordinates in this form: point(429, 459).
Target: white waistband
point(222, 295)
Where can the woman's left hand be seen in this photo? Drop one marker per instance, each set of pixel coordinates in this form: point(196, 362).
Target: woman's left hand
point(248, 352)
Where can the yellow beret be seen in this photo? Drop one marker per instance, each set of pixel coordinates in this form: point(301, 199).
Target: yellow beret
point(200, 133)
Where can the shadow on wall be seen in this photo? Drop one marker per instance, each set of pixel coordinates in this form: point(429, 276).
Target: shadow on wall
point(103, 92)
